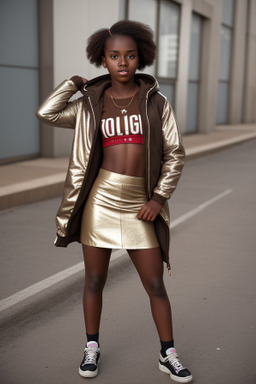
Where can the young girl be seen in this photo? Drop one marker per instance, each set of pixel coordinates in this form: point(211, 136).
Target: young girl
point(126, 160)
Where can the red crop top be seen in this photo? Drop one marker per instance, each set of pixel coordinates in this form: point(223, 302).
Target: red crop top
point(121, 123)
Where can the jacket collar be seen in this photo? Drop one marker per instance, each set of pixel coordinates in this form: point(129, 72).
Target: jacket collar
point(95, 88)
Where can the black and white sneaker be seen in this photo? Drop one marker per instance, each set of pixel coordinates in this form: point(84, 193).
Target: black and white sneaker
point(89, 364)
point(172, 365)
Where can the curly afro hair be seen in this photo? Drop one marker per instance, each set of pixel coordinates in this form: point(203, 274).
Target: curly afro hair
point(142, 34)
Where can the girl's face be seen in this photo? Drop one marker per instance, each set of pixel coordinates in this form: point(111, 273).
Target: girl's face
point(121, 58)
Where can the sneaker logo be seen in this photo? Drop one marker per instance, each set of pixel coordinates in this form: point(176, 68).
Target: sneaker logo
point(170, 350)
point(92, 344)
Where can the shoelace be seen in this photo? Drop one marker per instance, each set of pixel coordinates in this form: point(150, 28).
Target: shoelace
point(90, 356)
point(173, 359)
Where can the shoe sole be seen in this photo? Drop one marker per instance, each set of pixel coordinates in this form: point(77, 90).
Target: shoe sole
point(88, 374)
point(187, 379)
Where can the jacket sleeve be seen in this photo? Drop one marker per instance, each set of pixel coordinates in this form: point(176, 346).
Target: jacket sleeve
point(57, 110)
point(173, 157)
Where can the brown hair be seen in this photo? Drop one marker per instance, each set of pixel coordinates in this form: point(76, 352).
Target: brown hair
point(142, 34)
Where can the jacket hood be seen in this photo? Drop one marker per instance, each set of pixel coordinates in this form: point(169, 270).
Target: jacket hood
point(97, 86)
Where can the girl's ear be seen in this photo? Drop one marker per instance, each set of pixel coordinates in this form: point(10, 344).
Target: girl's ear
point(103, 62)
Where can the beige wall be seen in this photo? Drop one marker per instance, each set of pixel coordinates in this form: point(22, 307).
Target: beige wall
point(65, 27)
point(209, 66)
point(73, 23)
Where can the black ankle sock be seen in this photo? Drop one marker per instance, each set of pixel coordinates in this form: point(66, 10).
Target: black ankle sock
point(166, 345)
point(91, 337)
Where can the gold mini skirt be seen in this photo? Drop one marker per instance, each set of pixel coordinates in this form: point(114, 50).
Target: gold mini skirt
point(110, 215)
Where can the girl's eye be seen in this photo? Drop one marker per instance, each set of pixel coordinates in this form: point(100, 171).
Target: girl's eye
point(113, 56)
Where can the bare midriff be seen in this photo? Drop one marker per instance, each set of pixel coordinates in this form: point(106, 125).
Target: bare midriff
point(126, 159)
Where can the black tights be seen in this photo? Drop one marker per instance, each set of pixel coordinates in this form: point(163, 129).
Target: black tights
point(149, 265)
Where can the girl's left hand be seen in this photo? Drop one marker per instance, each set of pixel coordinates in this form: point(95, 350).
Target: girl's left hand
point(149, 211)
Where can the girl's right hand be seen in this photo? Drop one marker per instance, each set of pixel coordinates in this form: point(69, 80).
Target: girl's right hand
point(79, 81)
point(149, 211)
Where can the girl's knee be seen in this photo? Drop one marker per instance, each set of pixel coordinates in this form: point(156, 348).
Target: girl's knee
point(156, 288)
point(95, 283)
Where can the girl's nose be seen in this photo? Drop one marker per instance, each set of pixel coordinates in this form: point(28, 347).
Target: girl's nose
point(122, 61)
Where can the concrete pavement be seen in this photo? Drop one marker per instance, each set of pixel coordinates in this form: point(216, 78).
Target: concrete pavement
point(34, 180)
point(212, 289)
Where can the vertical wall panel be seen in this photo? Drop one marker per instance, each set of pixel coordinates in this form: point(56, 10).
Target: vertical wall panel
point(19, 80)
point(194, 74)
point(226, 36)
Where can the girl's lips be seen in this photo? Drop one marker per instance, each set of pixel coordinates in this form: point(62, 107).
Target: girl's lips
point(123, 72)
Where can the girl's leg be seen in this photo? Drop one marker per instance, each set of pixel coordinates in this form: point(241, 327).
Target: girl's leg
point(96, 261)
point(149, 265)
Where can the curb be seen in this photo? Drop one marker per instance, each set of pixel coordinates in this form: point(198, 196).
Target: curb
point(208, 149)
point(52, 186)
point(31, 191)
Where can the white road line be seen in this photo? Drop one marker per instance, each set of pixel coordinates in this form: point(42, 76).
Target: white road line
point(48, 282)
point(198, 209)
point(60, 276)
point(40, 286)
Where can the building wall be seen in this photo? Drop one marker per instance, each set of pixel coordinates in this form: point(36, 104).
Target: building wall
point(64, 27)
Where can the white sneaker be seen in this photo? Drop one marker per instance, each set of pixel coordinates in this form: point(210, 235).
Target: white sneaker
point(89, 364)
point(172, 365)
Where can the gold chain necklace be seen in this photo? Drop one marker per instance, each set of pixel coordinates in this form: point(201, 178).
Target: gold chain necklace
point(123, 106)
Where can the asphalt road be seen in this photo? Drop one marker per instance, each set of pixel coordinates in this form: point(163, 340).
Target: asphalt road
point(212, 288)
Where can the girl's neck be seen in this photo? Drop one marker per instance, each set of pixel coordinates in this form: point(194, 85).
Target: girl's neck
point(122, 90)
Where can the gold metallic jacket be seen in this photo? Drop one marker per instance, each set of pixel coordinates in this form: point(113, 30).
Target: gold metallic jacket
point(164, 151)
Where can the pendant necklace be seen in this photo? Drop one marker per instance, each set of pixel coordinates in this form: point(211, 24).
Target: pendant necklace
point(123, 106)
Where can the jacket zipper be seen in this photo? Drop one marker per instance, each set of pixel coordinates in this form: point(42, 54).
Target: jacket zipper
point(148, 171)
point(168, 261)
point(95, 135)
point(94, 118)
point(148, 143)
